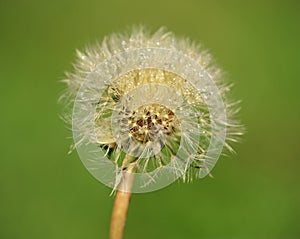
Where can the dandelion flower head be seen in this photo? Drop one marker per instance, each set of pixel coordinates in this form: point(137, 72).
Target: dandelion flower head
point(150, 104)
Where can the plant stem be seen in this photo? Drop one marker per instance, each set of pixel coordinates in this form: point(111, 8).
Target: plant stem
point(119, 213)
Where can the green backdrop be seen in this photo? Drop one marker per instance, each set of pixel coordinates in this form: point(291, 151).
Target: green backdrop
point(45, 193)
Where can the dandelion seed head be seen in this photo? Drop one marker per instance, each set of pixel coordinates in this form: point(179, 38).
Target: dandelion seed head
point(153, 103)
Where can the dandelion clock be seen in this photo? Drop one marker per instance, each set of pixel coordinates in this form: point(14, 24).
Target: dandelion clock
point(148, 109)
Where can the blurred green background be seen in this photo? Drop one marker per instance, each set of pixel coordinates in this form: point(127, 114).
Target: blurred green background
point(45, 193)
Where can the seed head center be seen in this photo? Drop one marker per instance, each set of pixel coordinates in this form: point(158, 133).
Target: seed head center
point(149, 122)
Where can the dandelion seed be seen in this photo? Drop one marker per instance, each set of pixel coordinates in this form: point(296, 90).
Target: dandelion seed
point(151, 105)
